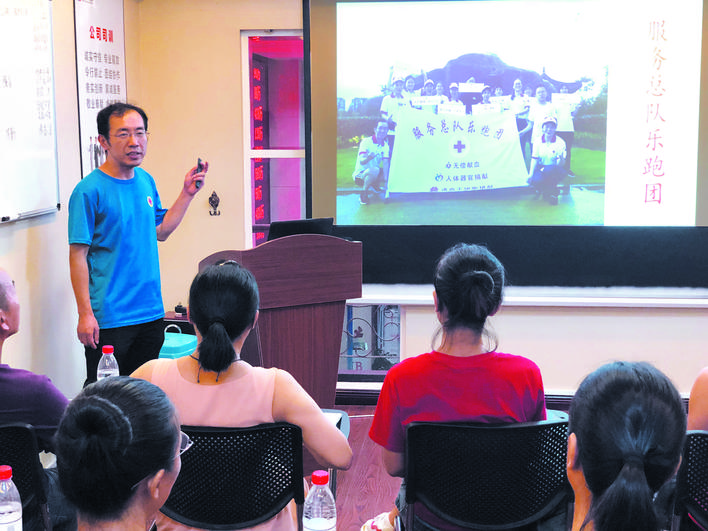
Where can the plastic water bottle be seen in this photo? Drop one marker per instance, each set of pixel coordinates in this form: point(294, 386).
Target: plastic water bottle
point(320, 512)
point(107, 365)
point(10, 503)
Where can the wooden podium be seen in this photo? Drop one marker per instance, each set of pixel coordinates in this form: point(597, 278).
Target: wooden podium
point(304, 282)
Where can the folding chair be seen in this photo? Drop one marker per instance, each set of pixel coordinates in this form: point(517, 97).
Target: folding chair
point(487, 476)
point(18, 448)
point(692, 484)
point(233, 478)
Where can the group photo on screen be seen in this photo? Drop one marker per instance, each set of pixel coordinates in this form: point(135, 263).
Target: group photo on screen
point(488, 113)
point(452, 123)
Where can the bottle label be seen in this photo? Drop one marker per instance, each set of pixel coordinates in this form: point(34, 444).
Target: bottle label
point(319, 524)
point(10, 516)
point(105, 373)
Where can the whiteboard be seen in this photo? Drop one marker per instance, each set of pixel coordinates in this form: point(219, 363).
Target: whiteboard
point(29, 181)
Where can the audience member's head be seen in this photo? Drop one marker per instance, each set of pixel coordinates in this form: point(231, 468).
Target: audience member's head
point(469, 283)
point(118, 447)
point(627, 427)
point(9, 307)
point(223, 305)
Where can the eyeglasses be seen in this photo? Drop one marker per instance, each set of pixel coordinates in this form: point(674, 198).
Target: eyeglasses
point(185, 443)
point(139, 135)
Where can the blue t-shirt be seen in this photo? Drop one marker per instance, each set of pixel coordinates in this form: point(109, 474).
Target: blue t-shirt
point(117, 218)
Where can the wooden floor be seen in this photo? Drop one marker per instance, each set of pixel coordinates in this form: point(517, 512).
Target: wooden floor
point(364, 490)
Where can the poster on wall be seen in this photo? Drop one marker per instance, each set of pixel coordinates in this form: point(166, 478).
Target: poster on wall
point(29, 184)
point(100, 70)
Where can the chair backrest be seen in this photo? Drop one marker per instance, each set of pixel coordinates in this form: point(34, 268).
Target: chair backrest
point(233, 478)
point(481, 476)
point(18, 448)
point(692, 481)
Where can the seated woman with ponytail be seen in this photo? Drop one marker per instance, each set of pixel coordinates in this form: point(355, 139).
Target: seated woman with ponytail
point(118, 450)
point(464, 378)
point(627, 426)
point(214, 387)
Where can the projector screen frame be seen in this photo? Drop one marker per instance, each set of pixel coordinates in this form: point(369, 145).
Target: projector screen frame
point(599, 256)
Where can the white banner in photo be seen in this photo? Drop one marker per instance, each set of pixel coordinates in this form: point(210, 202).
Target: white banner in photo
point(438, 153)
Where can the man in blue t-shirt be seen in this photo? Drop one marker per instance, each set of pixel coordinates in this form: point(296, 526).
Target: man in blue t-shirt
point(115, 221)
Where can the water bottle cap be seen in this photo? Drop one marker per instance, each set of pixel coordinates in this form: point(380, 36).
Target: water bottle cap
point(107, 349)
point(320, 477)
point(5, 472)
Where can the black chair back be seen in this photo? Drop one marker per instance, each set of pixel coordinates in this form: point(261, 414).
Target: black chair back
point(234, 478)
point(481, 476)
point(18, 448)
point(692, 484)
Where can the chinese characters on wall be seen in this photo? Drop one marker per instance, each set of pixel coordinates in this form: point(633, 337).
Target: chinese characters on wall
point(100, 63)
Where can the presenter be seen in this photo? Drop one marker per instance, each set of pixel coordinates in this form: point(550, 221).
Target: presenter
point(115, 221)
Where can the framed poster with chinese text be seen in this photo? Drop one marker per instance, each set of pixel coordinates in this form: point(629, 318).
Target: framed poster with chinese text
point(100, 69)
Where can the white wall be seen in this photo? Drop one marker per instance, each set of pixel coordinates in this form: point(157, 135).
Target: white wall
point(188, 78)
point(183, 62)
point(576, 335)
point(36, 252)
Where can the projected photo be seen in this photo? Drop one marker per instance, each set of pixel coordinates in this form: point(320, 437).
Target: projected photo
point(488, 113)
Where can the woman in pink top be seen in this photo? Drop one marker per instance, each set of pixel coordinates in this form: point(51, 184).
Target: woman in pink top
point(214, 387)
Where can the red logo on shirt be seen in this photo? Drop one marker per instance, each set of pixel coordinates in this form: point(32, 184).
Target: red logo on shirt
point(149, 201)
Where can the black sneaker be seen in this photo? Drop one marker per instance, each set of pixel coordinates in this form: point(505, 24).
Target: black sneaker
point(364, 198)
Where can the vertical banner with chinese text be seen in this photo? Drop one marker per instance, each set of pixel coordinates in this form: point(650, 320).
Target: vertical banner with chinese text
point(100, 68)
point(652, 117)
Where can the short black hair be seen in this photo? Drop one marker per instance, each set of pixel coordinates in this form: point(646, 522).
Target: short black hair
point(116, 109)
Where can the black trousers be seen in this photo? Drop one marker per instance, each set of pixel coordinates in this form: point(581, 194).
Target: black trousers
point(132, 346)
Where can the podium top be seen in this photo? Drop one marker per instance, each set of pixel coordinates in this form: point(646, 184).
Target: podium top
point(301, 269)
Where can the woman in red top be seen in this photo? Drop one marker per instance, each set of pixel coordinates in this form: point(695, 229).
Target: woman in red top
point(464, 378)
